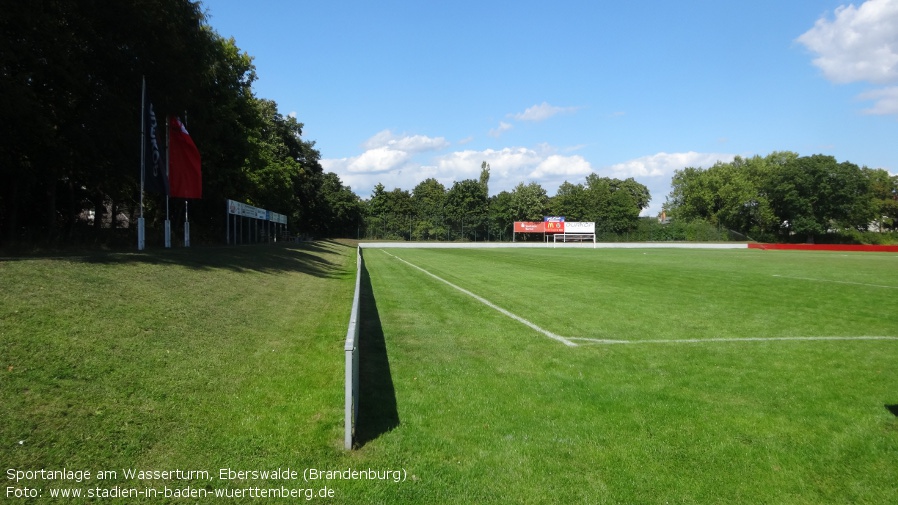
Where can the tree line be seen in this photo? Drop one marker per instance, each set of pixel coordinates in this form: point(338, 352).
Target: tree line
point(466, 211)
point(787, 197)
point(70, 92)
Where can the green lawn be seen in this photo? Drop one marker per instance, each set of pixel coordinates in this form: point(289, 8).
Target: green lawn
point(495, 412)
point(186, 359)
point(198, 360)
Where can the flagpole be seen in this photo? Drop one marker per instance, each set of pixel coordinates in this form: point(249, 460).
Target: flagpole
point(141, 231)
point(186, 226)
point(167, 222)
point(186, 219)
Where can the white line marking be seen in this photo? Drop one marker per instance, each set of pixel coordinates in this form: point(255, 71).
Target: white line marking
point(492, 305)
point(837, 282)
point(703, 340)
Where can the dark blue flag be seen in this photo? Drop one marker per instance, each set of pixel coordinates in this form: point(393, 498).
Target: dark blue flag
point(154, 176)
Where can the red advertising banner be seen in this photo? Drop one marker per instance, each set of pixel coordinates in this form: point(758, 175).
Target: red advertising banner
point(529, 227)
point(554, 226)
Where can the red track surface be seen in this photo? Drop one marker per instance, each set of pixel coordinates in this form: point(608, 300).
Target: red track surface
point(826, 247)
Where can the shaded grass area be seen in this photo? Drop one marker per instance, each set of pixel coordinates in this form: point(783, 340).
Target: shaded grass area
point(377, 398)
point(493, 412)
point(186, 359)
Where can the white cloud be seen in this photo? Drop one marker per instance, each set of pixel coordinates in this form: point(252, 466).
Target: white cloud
point(381, 159)
point(655, 172)
point(383, 162)
point(664, 164)
point(858, 44)
point(408, 143)
point(509, 166)
point(541, 112)
point(499, 130)
point(384, 153)
point(565, 166)
point(885, 100)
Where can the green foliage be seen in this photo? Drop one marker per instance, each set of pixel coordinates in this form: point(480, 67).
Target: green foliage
point(884, 188)
point(70, 94)
point(466, 202)
point(614, 205)
point(783, 196)
point(342, 210)
point(70, 141)
point(529, 202)
point(501, 221)
point(429, 202)
point(570, 201)
point(816, 193)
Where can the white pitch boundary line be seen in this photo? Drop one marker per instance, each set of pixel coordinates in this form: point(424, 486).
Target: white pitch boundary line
point(491, 305)
point(837, 282)
point(599, 341)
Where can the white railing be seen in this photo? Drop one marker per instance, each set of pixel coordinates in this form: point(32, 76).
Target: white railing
point(352, 358)
point(574, 237)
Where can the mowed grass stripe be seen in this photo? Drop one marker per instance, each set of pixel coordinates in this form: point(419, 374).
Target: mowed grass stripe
point(835, 281)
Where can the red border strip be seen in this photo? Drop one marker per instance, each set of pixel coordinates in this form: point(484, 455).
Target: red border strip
point(826, 247)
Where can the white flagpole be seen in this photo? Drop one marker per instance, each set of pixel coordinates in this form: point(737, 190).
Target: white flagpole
point(141, 231)
point(186, 220)
point(167, 175)
point(186, 226)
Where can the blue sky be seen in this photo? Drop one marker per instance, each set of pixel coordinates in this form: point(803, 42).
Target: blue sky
point(399, 91)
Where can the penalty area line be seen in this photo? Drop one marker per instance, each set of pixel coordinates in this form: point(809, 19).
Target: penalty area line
point(836, 282)
point(491, 305)
point(600, 341)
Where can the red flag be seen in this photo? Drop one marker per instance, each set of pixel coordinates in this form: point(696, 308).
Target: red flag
point(184, 175)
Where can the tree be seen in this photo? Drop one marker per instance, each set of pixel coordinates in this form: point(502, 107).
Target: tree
point(570, 201)
point(528, 202)
point(428, 202)
point(814, 194)
point(731, 194)
point(501, 218)
point(390, 213)
point(70, 91)
point(485, 179)
point(466, 204)
point(614, 205)
point(341, 209)
point(70, 88)
point(884, 189)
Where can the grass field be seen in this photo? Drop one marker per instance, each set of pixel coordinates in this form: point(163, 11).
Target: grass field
point(496, 412)
point(232, 358)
